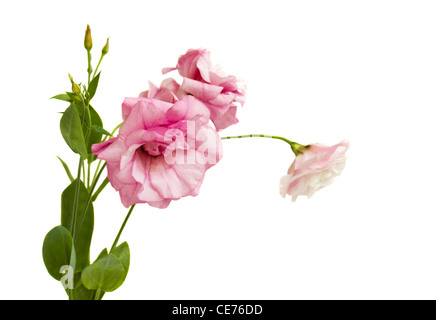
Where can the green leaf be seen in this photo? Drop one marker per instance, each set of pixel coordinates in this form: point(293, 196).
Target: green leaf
point(83, 239)
point(93, 86)
point(105, 274)
point(94, 136)
point(71, 129)
point(100, 130)
point(80, 292)
point(102, 254)
point(56, 250)
point(123, 253)
point(67, 170)
point(63, 97)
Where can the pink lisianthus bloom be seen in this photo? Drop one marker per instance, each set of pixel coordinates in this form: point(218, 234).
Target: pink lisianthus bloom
point(220, 92)
point(162, 151)
point(313, 169)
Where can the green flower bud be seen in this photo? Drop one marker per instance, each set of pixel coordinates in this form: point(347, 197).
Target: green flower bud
point(105, 49)
point(75, 88)
point(88, 38)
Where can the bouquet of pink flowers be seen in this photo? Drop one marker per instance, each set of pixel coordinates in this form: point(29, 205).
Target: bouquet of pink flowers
point(160, 152)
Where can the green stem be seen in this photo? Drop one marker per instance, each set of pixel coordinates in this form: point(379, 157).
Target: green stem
point(296, 147)
point(260, 136)
point(76, 198)
point(88, 201)
point(100, 189)
point(98, 65)
point(89, 174)
point(97, 294)
point(83, 172)
point(96, 171)
point(82, 120)
point(89, 67)
point(122, 228)
point(116, 128)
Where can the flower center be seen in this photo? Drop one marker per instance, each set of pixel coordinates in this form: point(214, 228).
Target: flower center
point(153, 148)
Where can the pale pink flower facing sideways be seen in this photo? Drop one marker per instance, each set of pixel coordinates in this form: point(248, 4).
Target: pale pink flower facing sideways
point(162, 151)
point(314, 169)
point(220, 92)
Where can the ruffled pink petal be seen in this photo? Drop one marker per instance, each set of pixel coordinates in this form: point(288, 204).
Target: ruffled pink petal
point(144, 94)
point(160, 204)
point(113, 152)
point(128, 194)
point(187, 64)
point(204, 65)
point(100, 147)
point(225, 120)
point(140, 171)
point(166, 181)
point(166, 70)
point(319, 156)
point(197, 110)
point(223, 99)
point(128, 105)
point(170, 84)
point(152, 90)
point(200, 90)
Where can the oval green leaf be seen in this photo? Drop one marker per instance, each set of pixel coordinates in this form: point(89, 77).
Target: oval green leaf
point(71, 129)
point(105, 274)
point(123, 253)
point(56, 250)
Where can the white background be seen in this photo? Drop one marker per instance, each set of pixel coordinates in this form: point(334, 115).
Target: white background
point(317, 71)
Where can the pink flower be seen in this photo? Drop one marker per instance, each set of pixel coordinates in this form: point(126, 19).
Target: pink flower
point(314, 169)
point(218, 91)
point(162, 152)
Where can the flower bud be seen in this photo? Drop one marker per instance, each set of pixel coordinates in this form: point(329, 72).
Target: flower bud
point(105, 49)
point(88, 38)
point(75, 88)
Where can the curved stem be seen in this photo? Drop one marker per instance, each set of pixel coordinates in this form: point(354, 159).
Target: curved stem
point(291, 143)
point(296, 147)
point(100, 189)
point(122, 228)
point(116, 128)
